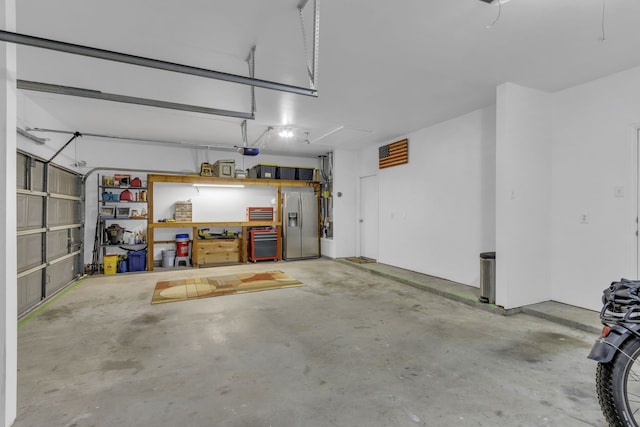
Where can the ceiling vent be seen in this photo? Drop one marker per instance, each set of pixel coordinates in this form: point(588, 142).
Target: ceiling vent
point(487, 1)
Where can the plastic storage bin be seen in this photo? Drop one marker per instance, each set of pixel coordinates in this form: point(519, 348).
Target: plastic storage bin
point(284, 172)
point(137, 260)
point(110, 197)
point(263, 171)
point(304, 174)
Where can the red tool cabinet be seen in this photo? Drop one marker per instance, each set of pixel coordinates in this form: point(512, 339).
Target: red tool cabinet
point(263, 245)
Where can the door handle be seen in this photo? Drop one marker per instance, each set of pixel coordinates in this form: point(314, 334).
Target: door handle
point(300, 211)
point(361, 220)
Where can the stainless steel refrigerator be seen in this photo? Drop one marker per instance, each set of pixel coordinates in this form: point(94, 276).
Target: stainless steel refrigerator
point(300, 237)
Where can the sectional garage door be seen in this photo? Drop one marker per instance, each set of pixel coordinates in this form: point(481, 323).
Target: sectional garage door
point(50, 232)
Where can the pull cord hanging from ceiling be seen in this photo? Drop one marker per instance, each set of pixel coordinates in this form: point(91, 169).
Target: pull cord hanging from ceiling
point(490, 26)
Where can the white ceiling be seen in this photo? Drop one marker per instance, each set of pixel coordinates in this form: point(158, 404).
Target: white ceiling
point(386, 68)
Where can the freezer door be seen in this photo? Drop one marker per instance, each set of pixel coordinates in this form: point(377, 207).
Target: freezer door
point(310, 244)
point(291, 220)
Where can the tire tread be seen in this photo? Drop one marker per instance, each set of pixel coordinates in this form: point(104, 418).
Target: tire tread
point(610, 385)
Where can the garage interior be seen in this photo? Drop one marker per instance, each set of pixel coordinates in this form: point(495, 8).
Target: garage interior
point(517, 125)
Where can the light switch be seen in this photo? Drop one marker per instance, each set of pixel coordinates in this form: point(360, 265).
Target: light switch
point(618, 191)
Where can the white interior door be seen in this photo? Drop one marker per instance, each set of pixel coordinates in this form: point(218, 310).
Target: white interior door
point(369, 216)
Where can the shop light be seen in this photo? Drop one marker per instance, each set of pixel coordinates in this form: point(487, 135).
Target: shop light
point(219, 185)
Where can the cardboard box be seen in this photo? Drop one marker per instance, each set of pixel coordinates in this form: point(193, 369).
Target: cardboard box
point(183, 211)
point(224, 168)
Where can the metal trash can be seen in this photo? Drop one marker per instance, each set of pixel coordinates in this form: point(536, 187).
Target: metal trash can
point(488, 277)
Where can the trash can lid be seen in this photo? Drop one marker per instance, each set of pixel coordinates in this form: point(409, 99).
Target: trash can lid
point(488, 255)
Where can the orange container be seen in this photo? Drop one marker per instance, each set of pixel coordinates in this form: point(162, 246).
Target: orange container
point(182, 245)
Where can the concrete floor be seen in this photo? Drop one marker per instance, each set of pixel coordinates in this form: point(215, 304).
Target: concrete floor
point(350, 348)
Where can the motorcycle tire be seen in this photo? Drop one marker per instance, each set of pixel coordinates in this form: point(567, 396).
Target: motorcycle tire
point(616, 381)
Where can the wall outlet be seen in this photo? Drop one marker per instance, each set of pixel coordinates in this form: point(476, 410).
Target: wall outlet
point(584, 218)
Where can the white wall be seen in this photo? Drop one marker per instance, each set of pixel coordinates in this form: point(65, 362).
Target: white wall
point(437, 212)
point(8, 222)
point(345, 175)
point(557, 157)
point(594, 153)
point(523, 196)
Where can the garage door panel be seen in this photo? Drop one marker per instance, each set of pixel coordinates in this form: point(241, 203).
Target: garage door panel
point(29, 211)
point(29, 251)
point(62, 212)
point(37, 176)
point(49, 231)
point(21, 172)
point(60, 274)
point(77, 236)
point(63, 182)
point(29, 291)
point(57, 244)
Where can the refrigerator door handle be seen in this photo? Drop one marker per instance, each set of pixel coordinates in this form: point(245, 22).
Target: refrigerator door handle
point(300, 210)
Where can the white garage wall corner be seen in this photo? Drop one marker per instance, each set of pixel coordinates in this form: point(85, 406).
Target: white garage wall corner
point(8, 257)
point(437, 213)
point(523, 196)
point(594, 174)
point(345, 174)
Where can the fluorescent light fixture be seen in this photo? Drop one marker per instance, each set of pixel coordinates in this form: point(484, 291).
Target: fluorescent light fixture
point(35, 139)
point(219, 185)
